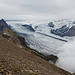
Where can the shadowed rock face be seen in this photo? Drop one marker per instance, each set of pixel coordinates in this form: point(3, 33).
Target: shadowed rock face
point(61, 31)
point(13, 37)
point(28, 27)
point(51, 58)
point(71, 32)
point(64, 31)
point(3, 25)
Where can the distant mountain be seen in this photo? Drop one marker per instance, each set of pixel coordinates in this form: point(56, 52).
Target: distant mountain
point(64, 31)
point(61, 31)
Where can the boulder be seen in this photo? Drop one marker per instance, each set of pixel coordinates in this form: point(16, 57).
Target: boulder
point(51, 24)
point(51, 58)
point(13, 37)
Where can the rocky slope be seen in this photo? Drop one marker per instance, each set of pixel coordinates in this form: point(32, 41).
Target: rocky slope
point(13, 37)
point(18, 61)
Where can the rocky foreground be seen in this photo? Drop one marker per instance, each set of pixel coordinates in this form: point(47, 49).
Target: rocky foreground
point(18, 61)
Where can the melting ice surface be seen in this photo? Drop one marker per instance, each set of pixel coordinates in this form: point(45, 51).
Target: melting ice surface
point(45, 44)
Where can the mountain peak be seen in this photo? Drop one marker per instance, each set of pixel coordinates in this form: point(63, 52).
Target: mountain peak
point(2, 20)
point(3, 25)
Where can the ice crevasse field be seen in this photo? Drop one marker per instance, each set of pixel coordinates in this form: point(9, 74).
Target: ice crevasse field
point(45, 44)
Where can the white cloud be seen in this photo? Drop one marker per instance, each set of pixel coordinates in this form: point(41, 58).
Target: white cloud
point(57, 8)
point(67, 57)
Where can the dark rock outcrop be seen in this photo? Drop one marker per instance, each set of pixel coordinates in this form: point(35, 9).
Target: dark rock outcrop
point(51, 24)
point(28, 27)
point(61, 31)
point(64, 31)
point(3, 25)
point(71, 32)
point(51, 58)
point(13, 37)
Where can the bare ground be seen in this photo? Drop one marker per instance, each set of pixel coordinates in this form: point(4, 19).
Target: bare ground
point(17, 61)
